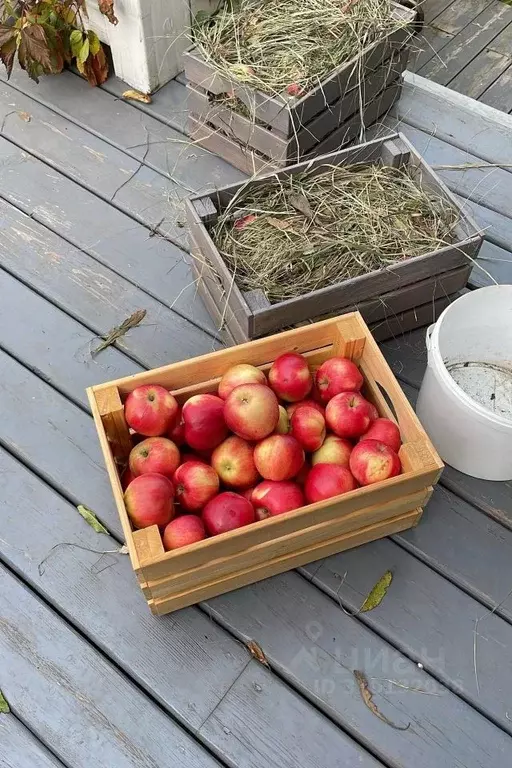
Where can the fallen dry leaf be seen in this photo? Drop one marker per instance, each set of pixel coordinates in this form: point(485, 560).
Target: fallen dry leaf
point(91, 519)
point(301, 204)
point(137, 96)
point(107, 9)
point(256, 652)
point(25, 116)
point(367, 697)
point(119, 330)
point(4, 707)
point(279, 223)
point(378, 593)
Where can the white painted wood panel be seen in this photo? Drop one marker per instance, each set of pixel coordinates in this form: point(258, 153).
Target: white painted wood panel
point(149, 40)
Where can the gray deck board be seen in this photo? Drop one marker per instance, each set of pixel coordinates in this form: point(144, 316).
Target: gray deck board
point(19, 748)
point(142, 137)
point(429, 620)
point(108, 235)
point(268, 717)
point(499, 93)
point(459, 14)
point(67, 693)
point(72, 280)
point(91, 292)
point(56, 347)
point(99, 596)
point(309, 639)
point(464, 47)
point(481, 73)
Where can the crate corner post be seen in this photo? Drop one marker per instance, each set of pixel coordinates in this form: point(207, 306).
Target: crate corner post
point(349, 336)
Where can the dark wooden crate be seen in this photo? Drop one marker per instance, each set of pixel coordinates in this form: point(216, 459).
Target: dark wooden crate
point(361, 104)
point(406, 285)
point(252, 162)
point(285, 114)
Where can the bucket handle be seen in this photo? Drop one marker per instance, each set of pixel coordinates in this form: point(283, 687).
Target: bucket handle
point(428, 344)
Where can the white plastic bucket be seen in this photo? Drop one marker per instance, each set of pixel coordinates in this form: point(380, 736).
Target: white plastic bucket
point(468, 413)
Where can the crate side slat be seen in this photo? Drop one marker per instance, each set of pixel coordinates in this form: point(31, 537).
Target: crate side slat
point(286, 562)
point(113, 475)
point(213, 569)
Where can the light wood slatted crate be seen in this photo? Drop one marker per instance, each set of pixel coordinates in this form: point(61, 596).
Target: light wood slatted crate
point(411, 285)
point(283, 130)
point(173, 580)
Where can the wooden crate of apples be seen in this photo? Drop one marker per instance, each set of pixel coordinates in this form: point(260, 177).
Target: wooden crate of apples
point(285, 451)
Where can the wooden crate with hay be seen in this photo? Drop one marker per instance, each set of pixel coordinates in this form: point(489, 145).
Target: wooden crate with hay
point(258, 122)
point(370, 227)
point(199, 571)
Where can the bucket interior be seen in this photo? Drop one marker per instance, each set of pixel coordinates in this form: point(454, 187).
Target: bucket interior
point(475, 342)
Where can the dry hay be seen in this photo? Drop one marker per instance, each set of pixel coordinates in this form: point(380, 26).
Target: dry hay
point(288, 237)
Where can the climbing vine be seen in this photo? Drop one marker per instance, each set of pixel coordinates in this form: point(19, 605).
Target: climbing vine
point(47, 35)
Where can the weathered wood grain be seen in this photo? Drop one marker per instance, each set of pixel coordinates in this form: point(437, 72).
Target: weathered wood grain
point(168, 104)
point(427, 45)
point(497, 263)
point(286, 731)
point(115, 239)
point(457, 119)
point(30, 327)
point(465, 46)
point(307, 638)
point(20, 748)
point(142, 138)
point(497, 227)
point(459, 14)
point(200, 660)
point(434, 8)
point(480, 73)
point(428, 619)
point(489, 186)
point(502, 43)
point(66, 691)
point(499, 94)
point(92, 293)
point(101, 597)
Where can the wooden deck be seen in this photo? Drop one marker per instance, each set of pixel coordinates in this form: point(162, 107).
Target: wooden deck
point(467, 46)
point(92, 229)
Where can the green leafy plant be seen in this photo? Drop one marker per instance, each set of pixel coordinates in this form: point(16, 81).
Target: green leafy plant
point(45, 35)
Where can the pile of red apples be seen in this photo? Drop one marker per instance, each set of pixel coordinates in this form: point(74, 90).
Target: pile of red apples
point(258, 448)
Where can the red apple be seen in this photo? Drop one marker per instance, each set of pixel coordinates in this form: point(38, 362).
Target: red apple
point(184, 530)
point(374, 414)
point(251, 411)
point(204, 422)
point(308, 427)
point(238, 375)
point(348, 414)
point(327, 480)
point(149, 500)
point(283, 425)
point(234, 463)
point(338, 374)
point(248, 494)
point(226, 512)
point(151, 410)
point(335, 450)
point(278, 457)
point(385, 431)
point(271, 498)
point(126, 478)
point(372, 461)
point(155, 454)
point(290, 377)
point(311, 403)
point(195, 483)
point(177, 433)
